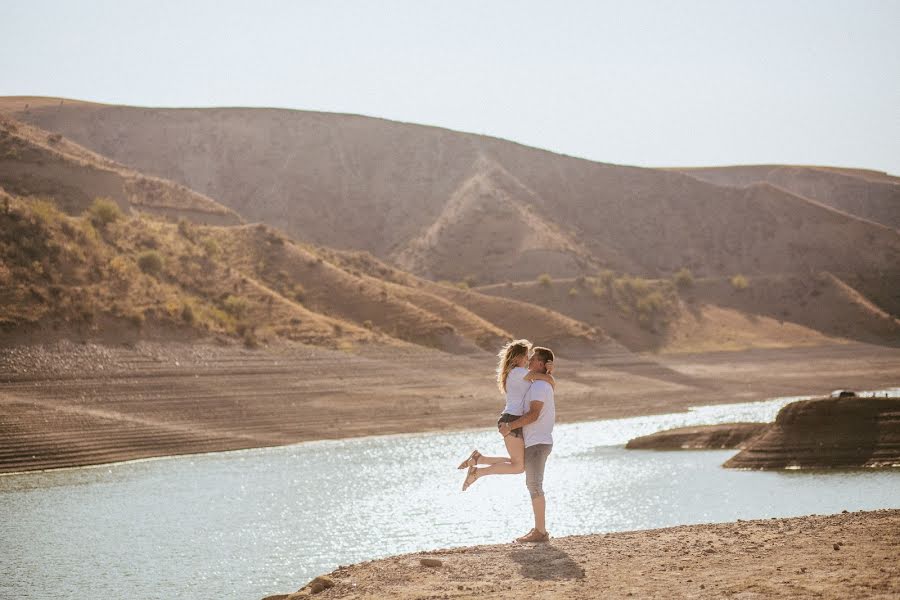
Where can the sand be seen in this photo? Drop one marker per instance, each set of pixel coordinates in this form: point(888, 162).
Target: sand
point(843, 556)
point(68, 404)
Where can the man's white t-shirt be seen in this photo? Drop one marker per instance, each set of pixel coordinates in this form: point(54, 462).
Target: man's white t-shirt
point(516, 388)
point(541, 431)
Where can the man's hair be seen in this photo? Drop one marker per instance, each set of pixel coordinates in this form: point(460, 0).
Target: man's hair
point(545, 354)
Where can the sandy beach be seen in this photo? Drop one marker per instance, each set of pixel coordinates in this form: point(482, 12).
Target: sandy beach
point(849, 555)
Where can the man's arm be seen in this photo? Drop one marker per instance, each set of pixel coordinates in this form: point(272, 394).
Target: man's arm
point(534, 411)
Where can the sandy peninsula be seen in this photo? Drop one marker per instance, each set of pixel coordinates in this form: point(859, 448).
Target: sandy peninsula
point(848, 555)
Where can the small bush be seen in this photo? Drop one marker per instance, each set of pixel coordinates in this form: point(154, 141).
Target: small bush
point(544, 279)
point(104, 211)
point(185, 229)
point(236, 306)
point(211, 247)
point(368, 324)
point(187, 314)
point(683, 278)
point(299, 292)
point(54, 138)
point(739, 283)
point(573, 292)
point(606, 277)
point(150, 262)
point(46, 210)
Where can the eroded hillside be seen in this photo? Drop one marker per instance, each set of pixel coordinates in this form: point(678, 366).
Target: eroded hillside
point(450, 205)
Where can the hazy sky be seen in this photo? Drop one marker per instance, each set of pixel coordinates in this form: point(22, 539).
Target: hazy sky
point(643, 83)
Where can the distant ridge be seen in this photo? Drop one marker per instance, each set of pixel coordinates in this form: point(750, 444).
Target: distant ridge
point(870, 195)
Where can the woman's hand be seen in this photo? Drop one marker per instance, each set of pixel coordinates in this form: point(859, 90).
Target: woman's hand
point(504, 429)
point(549, 365)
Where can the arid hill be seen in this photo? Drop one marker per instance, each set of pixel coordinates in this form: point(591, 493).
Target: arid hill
point(106, 275)
point(870, 195)
point(37, 163)
point(462, 209)
point(450, 205)
point(713, 314)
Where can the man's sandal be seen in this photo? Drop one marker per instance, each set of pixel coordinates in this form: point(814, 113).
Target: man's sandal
point(471, 477)
point(471, 461)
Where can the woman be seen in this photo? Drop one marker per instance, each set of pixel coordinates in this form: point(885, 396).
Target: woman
point(513, 379)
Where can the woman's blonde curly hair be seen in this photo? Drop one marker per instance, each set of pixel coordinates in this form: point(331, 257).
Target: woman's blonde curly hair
point(508, 355)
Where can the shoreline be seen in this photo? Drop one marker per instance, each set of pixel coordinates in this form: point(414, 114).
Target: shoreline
point(90, 406)
point(357, 437)
point(844, 555)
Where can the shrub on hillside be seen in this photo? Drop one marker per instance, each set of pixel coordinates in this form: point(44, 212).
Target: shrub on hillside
point(544, 279)
point(739, 283)
point(573, 291)
point(606, 277)
point(104, 211)
point(211, 247)
point(150, 262)
point(187, 314)
point(185, 229)
point(236, 306)
point(46, 210)
point(683, 278)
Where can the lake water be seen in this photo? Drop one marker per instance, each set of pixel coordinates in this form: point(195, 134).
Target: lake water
point(250, 523)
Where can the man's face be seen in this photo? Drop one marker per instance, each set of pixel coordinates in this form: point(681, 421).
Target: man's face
point(536, 364)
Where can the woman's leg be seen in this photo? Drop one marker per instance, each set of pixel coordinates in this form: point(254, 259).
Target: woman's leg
point(513, 465)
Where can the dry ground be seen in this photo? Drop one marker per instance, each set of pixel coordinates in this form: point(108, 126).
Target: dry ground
point(852, 555)
point(70, 404)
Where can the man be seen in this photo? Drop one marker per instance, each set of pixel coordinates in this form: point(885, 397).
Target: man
point(537, 424)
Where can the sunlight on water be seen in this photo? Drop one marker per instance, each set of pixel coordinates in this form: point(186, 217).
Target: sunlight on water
point(249, 523)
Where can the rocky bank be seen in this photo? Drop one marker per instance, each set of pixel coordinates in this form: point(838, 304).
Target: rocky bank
point(700, 437)
point(827, 433)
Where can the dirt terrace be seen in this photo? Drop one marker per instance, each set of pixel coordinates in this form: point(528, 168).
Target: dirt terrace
point(70, 404)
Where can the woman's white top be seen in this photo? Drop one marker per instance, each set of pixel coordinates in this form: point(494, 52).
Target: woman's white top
point(516, 388)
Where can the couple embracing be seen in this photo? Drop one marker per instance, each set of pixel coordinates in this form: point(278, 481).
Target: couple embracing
point(524, 375)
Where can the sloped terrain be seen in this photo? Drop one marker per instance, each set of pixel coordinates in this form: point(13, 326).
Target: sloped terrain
point(138, 276)
point(435, 201)
point(870, 195)
point(38, 163)
point(127, 278)
point(714, 314)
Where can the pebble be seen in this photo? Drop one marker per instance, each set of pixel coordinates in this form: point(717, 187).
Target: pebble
point(430, 562)
point(836, 547)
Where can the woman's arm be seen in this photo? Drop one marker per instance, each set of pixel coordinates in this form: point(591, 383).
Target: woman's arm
point(533, 376)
